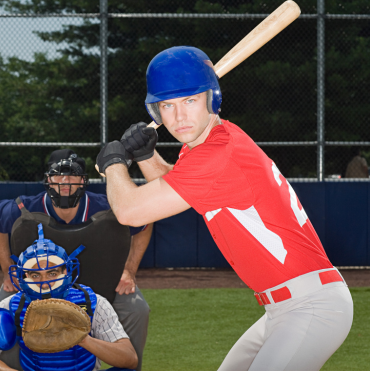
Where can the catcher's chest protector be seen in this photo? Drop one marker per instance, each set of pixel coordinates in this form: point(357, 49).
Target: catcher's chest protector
point(107, 245)
point(76, 358)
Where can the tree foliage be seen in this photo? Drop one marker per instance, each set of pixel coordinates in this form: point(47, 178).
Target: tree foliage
point(272, 95)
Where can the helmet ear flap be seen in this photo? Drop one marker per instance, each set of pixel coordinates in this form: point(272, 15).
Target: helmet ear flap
point(153, 110)
point(209, 101)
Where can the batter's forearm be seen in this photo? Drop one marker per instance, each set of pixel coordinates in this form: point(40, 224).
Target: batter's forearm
point(137, 206)
point(120, 190)
point(154, 167)
point(139, 244)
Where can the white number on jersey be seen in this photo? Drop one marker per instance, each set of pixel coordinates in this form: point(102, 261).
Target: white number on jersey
point(300, 214)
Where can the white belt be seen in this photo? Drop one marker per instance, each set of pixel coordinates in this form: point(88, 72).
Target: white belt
point(299, 286)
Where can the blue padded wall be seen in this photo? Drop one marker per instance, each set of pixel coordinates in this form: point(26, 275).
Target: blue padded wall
point(347, 211)
point(312, 197)
point(338, 211)
point(175, 240)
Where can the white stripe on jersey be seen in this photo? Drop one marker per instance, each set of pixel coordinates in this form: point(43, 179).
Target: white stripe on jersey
point(251, 221)
point(211, 214)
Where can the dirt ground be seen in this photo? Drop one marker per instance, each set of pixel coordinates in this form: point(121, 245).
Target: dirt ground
point(155, 278)
point(215, 278)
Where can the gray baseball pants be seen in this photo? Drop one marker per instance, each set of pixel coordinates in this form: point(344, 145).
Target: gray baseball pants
point(133, 313)
point(298, 334)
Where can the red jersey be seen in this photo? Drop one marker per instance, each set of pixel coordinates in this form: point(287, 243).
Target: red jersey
point(251, 210)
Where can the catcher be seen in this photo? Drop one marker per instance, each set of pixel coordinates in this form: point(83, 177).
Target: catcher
point(59, 324)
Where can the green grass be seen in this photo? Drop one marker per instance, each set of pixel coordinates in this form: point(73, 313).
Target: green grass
point(194, 329)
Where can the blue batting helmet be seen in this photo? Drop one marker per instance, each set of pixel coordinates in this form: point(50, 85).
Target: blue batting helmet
point(44, 250)
point(179, 72)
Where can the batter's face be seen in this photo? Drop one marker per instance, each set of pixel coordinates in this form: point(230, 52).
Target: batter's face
point(186, 118)
point(48, 275)
point(65, 188)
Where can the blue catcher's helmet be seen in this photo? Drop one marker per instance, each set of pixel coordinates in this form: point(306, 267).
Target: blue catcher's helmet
point(45, 250)
point(179, 72)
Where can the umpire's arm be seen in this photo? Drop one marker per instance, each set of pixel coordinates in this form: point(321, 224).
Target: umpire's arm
point(4, 367)
point(6, 262)
point(139, 244)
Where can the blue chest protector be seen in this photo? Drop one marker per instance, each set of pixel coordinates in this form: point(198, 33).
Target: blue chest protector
point(74, 359)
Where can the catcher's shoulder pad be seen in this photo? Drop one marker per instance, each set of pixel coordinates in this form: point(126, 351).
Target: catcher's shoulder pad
point(54, 325)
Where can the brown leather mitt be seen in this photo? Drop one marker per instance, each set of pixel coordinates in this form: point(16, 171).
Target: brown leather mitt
point(54, 325)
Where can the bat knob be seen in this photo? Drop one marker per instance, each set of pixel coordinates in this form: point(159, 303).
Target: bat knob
point(154, 125)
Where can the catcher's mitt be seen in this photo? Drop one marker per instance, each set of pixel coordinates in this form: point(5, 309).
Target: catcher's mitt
point(54, 325)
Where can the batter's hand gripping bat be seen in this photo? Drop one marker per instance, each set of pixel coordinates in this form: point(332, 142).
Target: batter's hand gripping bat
point(282, 17)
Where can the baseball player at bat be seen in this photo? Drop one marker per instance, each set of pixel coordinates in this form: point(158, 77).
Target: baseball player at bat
point(250, 209)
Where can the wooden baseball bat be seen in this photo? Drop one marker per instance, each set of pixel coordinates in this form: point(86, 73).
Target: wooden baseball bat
point(282, 17)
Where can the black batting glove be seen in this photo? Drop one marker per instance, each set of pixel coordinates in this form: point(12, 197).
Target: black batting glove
point(113, 153)
point(140, 140)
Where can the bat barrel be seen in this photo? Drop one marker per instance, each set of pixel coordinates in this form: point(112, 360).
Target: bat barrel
point(283, 16)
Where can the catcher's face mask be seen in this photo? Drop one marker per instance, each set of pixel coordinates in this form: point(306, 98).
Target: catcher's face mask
point(45, 270)
point(66, 182)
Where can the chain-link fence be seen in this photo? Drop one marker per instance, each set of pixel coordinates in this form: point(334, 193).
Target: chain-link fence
point(74, 75)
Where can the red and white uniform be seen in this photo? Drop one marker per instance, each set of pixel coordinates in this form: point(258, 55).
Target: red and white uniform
point(251, 210)
point(259, 225)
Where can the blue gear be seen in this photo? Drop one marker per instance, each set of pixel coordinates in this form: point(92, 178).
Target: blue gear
point(44, 249)
point(76, 358)
point(7, 330)
point(179, 72)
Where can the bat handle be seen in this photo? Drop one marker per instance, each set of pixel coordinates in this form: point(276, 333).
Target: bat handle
point(97, 169)
point(154, 125)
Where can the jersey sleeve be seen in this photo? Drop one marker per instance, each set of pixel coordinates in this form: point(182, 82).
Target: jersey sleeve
point(98, 202)
point(136, 230)
point(106, 325)
point(9, 213)
point(5, 303)
point(208, 178)
point(195, 173)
